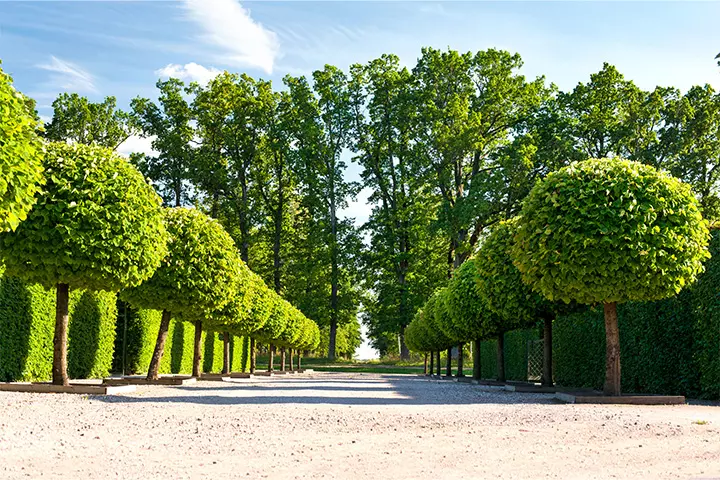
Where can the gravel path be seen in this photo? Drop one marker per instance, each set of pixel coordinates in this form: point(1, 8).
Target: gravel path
point(347, 426)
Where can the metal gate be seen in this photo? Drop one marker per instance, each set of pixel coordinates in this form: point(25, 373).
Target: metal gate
point(535, 360)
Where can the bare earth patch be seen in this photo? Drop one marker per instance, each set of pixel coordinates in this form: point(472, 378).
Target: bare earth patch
point(347, 426)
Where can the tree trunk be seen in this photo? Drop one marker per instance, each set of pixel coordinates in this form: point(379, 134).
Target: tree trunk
point(425, 369)
point(437, 364)
point(448, 363)
point(282, 359)
point(290, 354)
point(271, 352)
point(154, 367)
point(62, 301)
point(404, 350)
point(227, 362)
point(253, 355)
point(300, 355)
point(612, 350)
point(501, 357)
point(198, 349)
point(477, 370)
point(333, 336)
point(460, 361)
point(432, 363)
point(547, 377)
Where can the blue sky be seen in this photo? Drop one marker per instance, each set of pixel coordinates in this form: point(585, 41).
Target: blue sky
point(99, 48)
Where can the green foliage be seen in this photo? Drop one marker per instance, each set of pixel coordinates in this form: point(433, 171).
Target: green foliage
point(97, 224)
point(466, 308)
point(142, 329)
point(610, 230)
point(20, 155)
point(499, 281)
point(516, 355)
point(348, 339)
point(200, 273)
point(91, 333)
point(77, 120)
point(27, 320)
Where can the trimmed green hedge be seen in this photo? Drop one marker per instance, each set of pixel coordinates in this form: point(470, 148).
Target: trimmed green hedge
point(27, 323)
point(142, 328)
point(515, 355)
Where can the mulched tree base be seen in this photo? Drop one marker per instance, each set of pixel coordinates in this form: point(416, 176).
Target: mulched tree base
point(214, 377)
point(530, 388)
point(77, 388)
point(239, 375)
point(163, 380)
point(600, 399)
point(263, 374)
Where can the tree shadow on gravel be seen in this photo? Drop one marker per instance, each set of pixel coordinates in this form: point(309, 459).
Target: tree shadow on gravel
point(398, 391)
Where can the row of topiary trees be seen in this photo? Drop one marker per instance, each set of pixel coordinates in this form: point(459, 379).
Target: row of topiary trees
point(78, 216)
point(597, 232)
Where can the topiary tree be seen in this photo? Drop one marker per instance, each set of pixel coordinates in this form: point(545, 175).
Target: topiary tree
point(97, 225)
point(503, 291)
point(275, 324)
point(20, 155)
point(197, 277)
point(466, 308)
point(610, 231)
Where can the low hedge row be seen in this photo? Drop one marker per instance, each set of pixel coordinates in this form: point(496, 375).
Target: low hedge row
point(142, 329)
point(27, 322)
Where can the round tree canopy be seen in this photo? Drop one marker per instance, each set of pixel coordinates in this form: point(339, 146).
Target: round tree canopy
point(276, 320)
point(248, 309)
point(500, 284)
point(200, 273)
point(464, 304)
point(602, 231)
point(20, 155)
point(97, 224)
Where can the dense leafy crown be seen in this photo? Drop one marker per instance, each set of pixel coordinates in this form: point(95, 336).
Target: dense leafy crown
point(500, 283)
point(97, 224)
point(610, 231)
point(465, 306)
point(20, 156)
point(248, 309)
point(200, 273)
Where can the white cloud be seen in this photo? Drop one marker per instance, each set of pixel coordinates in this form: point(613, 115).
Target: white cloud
point(190, 72)
point(228, 25)
point(68, 76)
point(137, 144)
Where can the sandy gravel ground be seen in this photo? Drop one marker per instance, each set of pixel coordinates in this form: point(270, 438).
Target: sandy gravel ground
point(348, 426)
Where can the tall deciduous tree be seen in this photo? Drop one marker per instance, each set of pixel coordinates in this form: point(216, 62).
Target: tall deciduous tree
point(78, 120)
point(324, 121)
point(169, 124)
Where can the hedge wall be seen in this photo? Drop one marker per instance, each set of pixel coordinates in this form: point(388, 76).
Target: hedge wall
point(667, 347)
point(515, 355)
point(27, 323)
point(142, 328)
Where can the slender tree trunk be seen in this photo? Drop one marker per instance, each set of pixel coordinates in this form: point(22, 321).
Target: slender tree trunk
point(477, 369)
point(244, 227)
point(62, 302)
point(547, 377)
point(404, 350)
point(271, 354)
point(282, 359)
point(154, 367)
point(425, 369)
point(253, 355)
point(291, 353)
point(331, 342)
point(448, 363)
point(612, 350)
point(432, 363)
point(501, 357)
point(437, 364)
point(227, 361)
point(300, 355)
point(461, 360)
point(198, 349)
